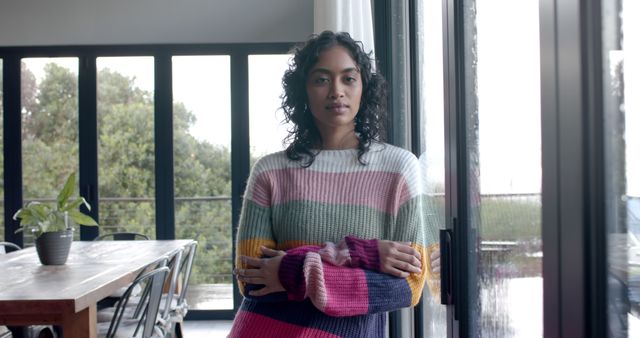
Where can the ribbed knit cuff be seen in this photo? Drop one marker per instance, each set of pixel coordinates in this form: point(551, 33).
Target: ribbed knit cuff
point(364, 253)
point(291, 275)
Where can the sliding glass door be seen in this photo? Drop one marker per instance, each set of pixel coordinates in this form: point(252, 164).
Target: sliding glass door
point(493, 135)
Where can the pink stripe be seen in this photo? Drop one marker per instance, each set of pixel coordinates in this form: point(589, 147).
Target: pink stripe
point(384, 191)
point(250, 325)
point(347, 291)
point(314, 277)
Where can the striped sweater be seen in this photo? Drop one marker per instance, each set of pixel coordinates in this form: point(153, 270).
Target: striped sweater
point(328, 217)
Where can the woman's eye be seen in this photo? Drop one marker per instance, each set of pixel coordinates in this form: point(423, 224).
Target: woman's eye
point(351, 79)
point(321, 80)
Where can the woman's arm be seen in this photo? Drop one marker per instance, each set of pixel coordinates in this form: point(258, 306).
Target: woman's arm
point(393, 258)
point(337, 290)
point(255, 225)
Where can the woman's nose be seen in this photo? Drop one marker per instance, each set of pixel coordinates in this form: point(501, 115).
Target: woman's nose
point(336, 91)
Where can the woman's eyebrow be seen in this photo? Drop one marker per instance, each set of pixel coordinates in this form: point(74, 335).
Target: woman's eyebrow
point(327, 71)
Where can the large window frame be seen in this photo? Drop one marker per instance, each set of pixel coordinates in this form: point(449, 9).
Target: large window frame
point(573, 232)
point(573, 198)
point(163, 130)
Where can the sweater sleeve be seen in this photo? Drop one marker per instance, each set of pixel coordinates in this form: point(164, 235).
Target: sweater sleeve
point(355, 287)
point(254, 227)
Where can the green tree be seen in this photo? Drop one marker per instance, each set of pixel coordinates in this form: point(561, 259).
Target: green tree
point(126, 161)
point(49, 130)
point(125, 118)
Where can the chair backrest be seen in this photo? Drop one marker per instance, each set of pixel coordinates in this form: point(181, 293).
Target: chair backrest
point(174, 266)
point(155, 281)
point(172, 262)
point(6, 245)
point(188, 259)
point(175, 311)
point(122, 236)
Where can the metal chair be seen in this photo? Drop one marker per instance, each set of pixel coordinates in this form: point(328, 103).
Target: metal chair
point(173, 307)
point(144, 323)
point(168, 302)
point(5, 333)
point(24, 331)
point(119, 236)
point(180, 308)
point(122, 236)
point(6, 245)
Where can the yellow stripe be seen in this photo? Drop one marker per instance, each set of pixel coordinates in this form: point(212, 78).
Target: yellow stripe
point(416, 281)
point(251, 248)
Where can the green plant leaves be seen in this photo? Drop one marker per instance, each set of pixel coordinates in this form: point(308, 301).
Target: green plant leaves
point(66, 191)
point(81, 218)
point(41, 217)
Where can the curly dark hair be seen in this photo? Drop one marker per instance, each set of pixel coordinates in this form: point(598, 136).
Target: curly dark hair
point(304, 135)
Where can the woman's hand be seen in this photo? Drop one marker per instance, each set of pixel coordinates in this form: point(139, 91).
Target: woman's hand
point(262, 271)
point(398, 258)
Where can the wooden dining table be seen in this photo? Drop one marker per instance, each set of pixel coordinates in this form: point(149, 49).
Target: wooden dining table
point(67, 295)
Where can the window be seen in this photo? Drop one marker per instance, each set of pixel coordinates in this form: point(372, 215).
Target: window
point(266, 131)
point(503, 160)
point(621, 83)
point(209, 92)
point(1, 152)
point(432, 148)
point(49, 108)
point(202, 173)
point(126, 167)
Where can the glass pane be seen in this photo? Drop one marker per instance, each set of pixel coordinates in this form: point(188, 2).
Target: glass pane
point(502, 106)
point(126, 171)
point(430, 63)
point(1, 154)
point(621, 75)
point(266, 130)
point(202, 173)
point(49, 100)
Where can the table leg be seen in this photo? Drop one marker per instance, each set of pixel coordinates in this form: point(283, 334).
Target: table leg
point(82, 324)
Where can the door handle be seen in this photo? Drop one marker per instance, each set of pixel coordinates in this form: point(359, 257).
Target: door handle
point(446, 267)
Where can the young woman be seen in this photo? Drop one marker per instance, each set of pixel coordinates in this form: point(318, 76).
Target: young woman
point(332, 231)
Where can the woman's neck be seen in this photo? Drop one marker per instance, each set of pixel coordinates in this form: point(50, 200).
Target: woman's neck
point(338, 141)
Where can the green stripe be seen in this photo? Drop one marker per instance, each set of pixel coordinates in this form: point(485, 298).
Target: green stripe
point(255, 221)
point(317, 223)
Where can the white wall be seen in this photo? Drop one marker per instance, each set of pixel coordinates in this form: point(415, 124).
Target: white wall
point(79, 22)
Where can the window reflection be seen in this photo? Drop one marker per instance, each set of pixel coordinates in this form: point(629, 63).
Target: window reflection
point(432, 159)
point(621, 75)
point(502, 106)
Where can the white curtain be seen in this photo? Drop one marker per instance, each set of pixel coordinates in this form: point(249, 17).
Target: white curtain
point(352, 16)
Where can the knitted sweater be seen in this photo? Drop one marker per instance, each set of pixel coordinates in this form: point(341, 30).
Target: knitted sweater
point(328, 217)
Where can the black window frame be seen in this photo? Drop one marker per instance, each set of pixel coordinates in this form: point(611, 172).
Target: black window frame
point(163, 130)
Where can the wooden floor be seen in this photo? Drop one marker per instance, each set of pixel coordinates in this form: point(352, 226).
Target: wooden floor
point(206, 328)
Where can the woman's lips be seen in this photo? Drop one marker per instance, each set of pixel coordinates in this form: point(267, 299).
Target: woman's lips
point(338, 108)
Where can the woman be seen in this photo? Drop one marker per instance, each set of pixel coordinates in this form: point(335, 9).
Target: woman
point(335, 183)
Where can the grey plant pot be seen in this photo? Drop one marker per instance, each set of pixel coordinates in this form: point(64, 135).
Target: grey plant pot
point(53, 247)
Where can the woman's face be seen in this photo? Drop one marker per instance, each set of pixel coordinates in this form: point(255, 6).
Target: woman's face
point(334, 90)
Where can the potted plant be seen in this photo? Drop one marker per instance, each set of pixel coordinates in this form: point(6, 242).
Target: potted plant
point(50, 224)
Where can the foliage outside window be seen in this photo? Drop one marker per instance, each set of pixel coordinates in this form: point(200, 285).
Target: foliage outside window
point(49, 109)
